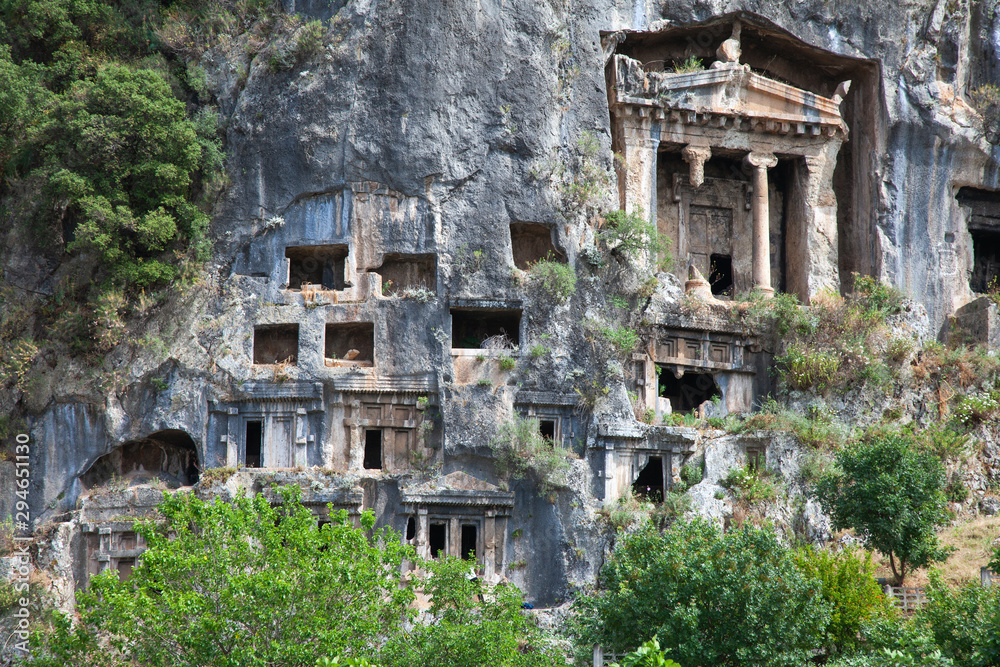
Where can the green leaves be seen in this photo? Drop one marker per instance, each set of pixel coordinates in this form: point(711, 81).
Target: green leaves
point(893, 496)
point(709, 598)
point(120, 158)
point(242, 583)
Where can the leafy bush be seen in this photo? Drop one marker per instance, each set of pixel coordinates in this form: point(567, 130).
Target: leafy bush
point(309, 39)
point(893, 496)
point(647, 655)
point(520, 451)
point(632, 234)
point(538, 351)
point(692, 473)
point(621, 338)
point(965, 622)
point(470, 625)
point(802, 368)
point(976, 407)
point(709, 598)
point(848, 584)
point(507, 362)
point(556, 278)
point(751, 484)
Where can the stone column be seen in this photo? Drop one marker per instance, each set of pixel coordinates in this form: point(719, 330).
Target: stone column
point(696, 157)
point(761, 162)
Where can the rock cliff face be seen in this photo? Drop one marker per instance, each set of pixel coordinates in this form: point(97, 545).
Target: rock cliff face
point(385, 194)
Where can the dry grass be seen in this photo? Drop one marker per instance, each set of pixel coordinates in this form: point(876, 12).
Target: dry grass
point(974, 543)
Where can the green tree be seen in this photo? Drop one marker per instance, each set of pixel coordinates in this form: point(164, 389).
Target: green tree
point(120, 159)
point(965, 623)
point(241, 584)
point(470, 625)
point(848, 584)
point(893, 496)
point(709, 598)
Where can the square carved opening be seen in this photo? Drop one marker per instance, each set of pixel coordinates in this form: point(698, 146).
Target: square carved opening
point(276, 344)
point(401, 271)
point(531, 242)
point(485, 328)
point(323, 266)
point(350, 341)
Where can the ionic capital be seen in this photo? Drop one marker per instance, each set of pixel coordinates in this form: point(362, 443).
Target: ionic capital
point(762, 160)
point(696, 156)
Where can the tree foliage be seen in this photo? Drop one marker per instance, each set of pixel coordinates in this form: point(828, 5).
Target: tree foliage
point(239, 584)
point(848, 584)
point(709, 598)
point(965, 623)
point(120, 159)
point(470, 625)
point(893, 496)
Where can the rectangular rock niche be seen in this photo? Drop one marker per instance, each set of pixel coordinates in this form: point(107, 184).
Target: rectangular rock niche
point(531, 242)
point(482, 328)
point(350, 341)
point(323, 266)
point(276, 344)
point(984, 227)
point(400, 271)
point(687, 392)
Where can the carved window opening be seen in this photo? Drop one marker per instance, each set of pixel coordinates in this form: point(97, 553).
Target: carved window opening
point(322, 266)
point(721, 276)
point(470, 541)
point(276, 344)
point(411, 528)
point(127, 540)
point(401, 271)
point(984, 226)
point(485, 328)
point(125, 567)
point(350, 341)
point(547, 428)
point(437, 539)
point(169, 456)
point(689, 391)
point(373, 449)
point(650, 482)
point(756, 457)
point(254, 444)
point(531, 242)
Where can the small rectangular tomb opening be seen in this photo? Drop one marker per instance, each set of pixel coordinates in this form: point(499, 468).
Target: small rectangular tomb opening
point(531, 242)
point(323, 266)
point(687, 392)
point(756, 457)
point(490, 329)
point(649, 484)
point(402, 272)
point(254, 444)
point(125, 567)
point(470, 533)
point(437, 539)
point(350, 341)
point(373, 449)
point(984, 226)
point(547, 429)
point(721, 275)
point(276, 344)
